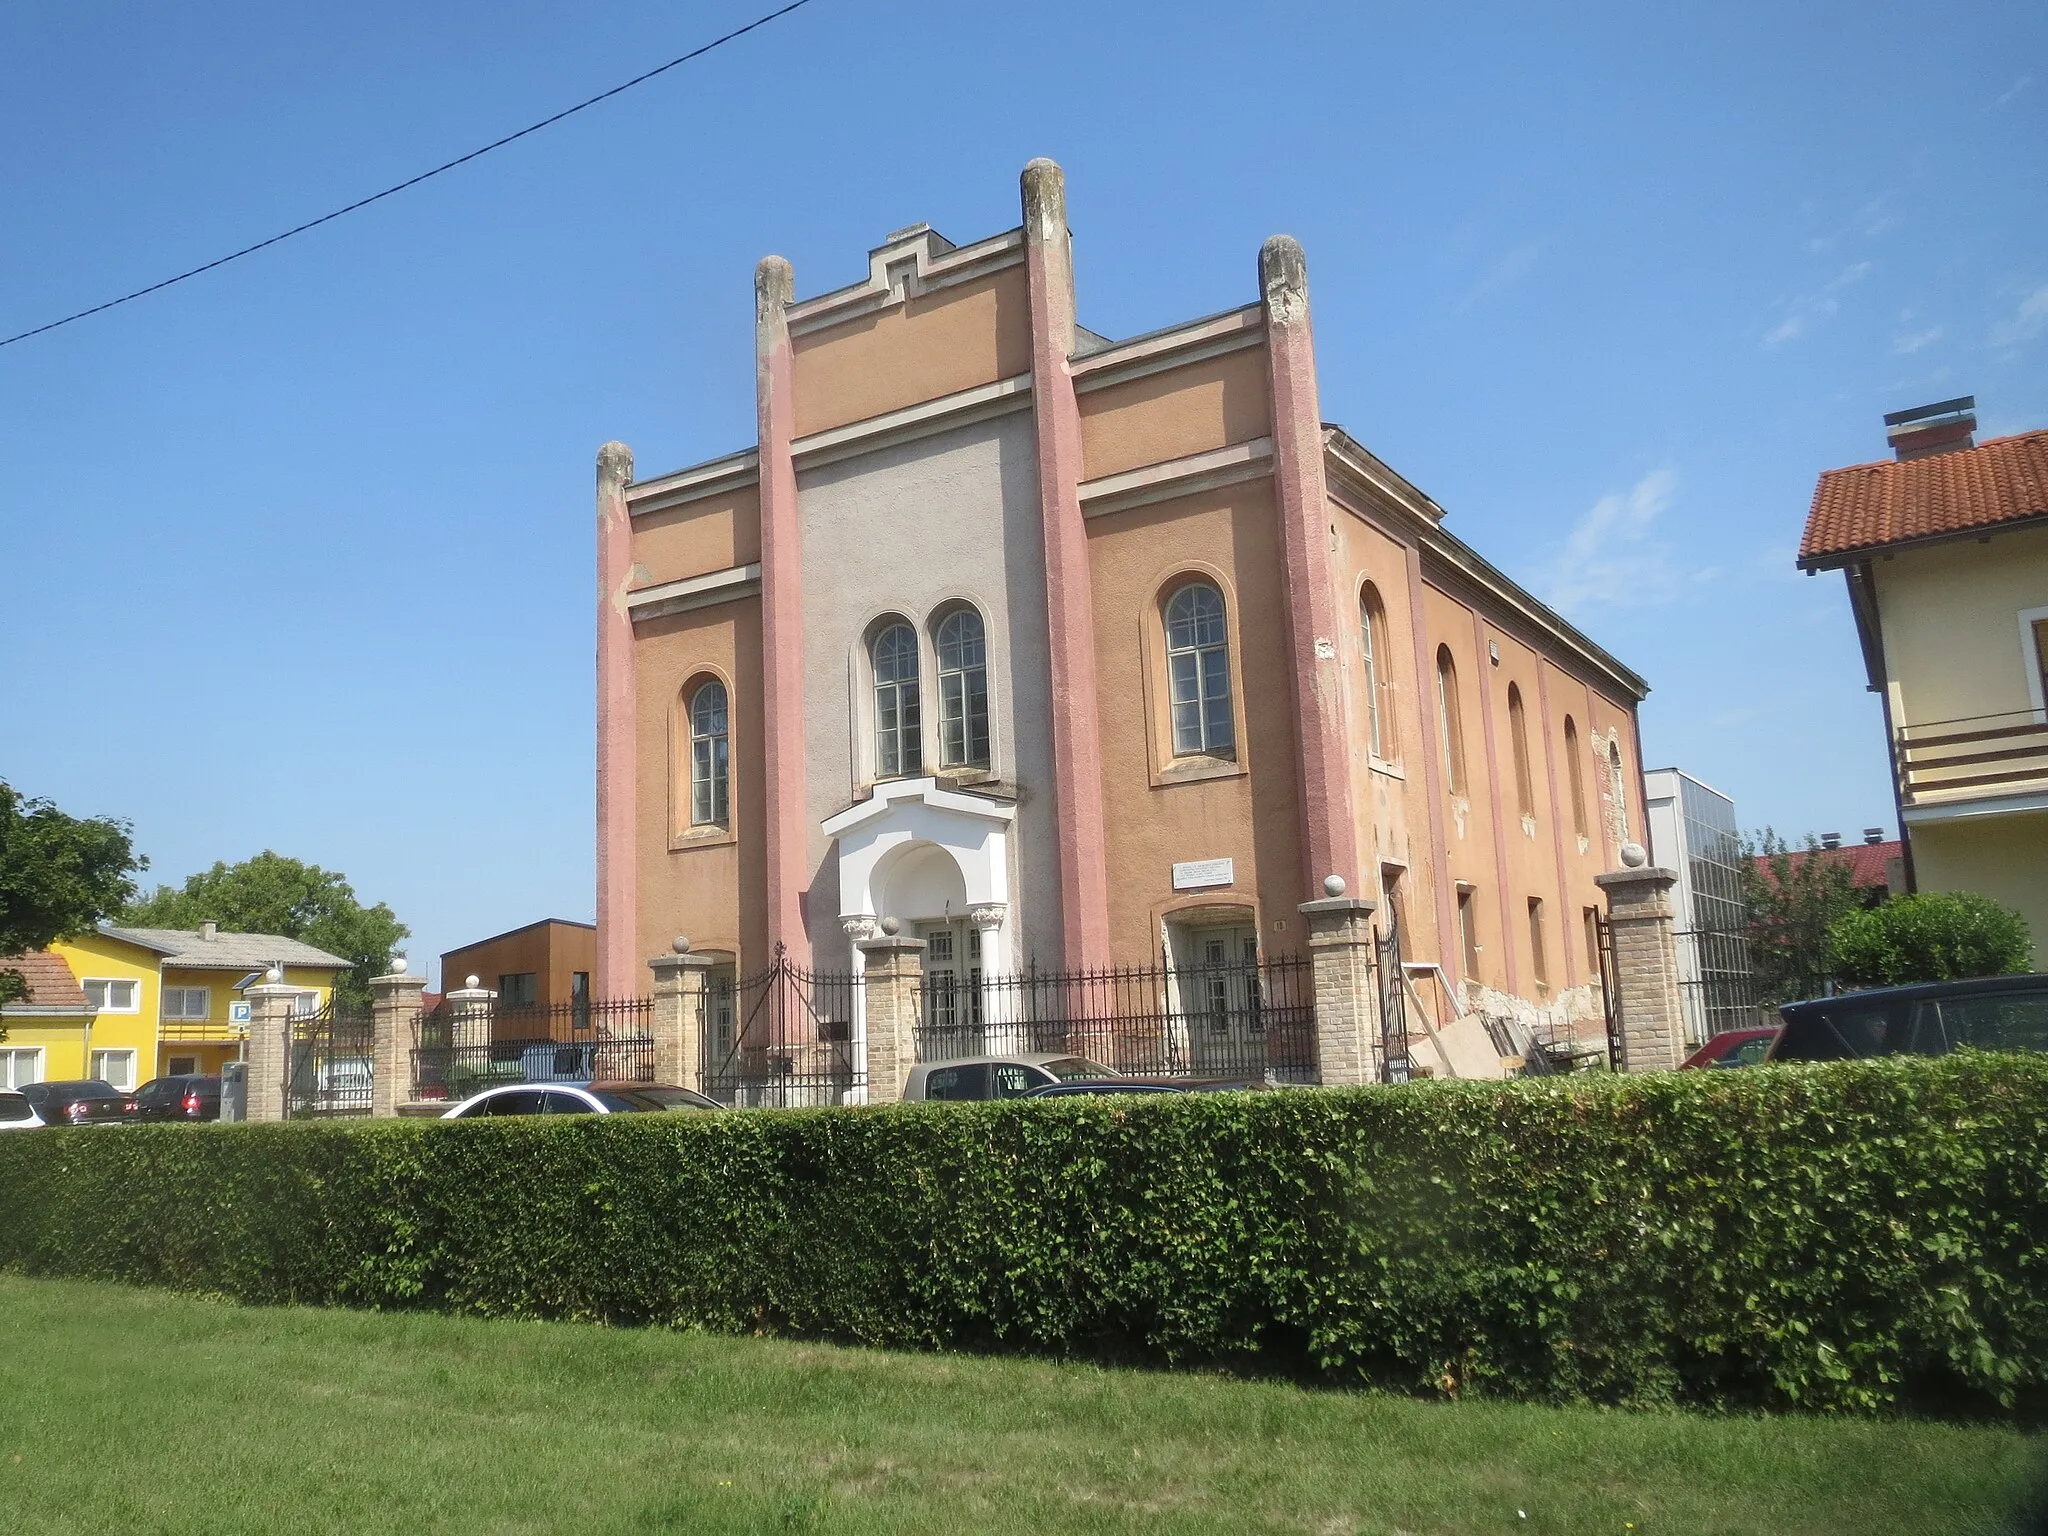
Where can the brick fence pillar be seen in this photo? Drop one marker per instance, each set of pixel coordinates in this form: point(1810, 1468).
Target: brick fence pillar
point(894, 971)
point(1340, 953)
point(270, 1046)
point(682, 996)
point(394, 1005)
point(1645, 965)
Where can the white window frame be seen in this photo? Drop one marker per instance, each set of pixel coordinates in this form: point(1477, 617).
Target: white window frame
point(86, 983)
point(185, 1015)
point(2030, 660)
point(126, 1080)
point(12, 1056)
point(306, 1004)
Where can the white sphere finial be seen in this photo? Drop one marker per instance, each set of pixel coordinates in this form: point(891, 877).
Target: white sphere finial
point(1634, 855)
point(398, 966)
point(892, 926)
point(274, 974)
point(680, 944)
point(1333, 885)
point(471, 982)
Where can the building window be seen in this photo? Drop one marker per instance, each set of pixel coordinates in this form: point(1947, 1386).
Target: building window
point(21, 1066)
point(2041, 656)
point(519, 991)
point(116, 1068)
point(1518, 742)
point(963, 690)
point(1379, 667)
point(1468, 930)
point(1198, 673)
point(187, 1003)
point(1451, 721)
point(1590, 916)
point(899, 746)
point(305, 1005)
point(1539, 957)
point(1577, 772)
point(1620, 794)
point(113, 996)
point(710, 755)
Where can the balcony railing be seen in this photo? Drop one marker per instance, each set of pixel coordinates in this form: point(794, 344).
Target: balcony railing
point(1945, 762)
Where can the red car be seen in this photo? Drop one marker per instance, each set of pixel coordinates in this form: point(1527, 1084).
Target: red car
point(1734, 1048)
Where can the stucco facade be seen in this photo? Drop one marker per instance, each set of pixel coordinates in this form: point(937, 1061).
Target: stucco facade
point(1167, 557)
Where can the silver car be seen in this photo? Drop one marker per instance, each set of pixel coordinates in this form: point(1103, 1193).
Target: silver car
point(16, 1113)
point(997, 1077)
point(579, 1099)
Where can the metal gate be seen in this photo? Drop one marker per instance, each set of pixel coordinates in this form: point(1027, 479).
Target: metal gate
point(787, 1042)
point(330, 1068)
point(1610, 993)
point(1392, 981)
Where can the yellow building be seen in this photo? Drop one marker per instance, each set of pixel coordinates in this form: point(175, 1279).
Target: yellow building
point(1945, 548)
point(155, 1001)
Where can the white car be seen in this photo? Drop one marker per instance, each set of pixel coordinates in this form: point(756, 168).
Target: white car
point(580, 1099)
point(16, 1113)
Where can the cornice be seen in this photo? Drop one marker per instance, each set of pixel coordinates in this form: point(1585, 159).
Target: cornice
point(695, 592)
point(1140, 487)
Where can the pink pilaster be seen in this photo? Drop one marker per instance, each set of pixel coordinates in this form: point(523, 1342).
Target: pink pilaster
point(1510, 971)
point(1566, 917)
point(1329, 826)
point(1069, 597)
point(782, 637)
point(1448, 953)
point(618, 889)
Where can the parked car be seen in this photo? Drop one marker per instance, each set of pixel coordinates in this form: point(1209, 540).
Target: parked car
point(188, 1096)
point(1735, 1048)
point(1076, 1087)
point(81, 1101)
point(16, 1113)
point(1986, 1013)
point(580, 1099)
point(998, 1077)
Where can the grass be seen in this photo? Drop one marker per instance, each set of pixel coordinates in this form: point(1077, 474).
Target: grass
point(147, 1411)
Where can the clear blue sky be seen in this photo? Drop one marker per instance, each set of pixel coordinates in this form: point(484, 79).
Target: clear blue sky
point(299, 555)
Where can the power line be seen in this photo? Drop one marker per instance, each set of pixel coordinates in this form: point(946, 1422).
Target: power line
point(326, 218)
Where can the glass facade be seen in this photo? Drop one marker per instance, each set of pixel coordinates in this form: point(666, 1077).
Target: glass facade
point(1693, 831)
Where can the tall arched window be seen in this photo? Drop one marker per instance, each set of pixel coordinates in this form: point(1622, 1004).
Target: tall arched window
point(710, 756)
point(899, 744)
point(1614, 779)
point(1518, 740)
point(1451, 721)
point(963, 690)
point(1379, 670)
point(1577, 770)
point(1198, 670)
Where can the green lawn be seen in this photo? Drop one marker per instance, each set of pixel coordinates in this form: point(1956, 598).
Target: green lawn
point(128, 1410)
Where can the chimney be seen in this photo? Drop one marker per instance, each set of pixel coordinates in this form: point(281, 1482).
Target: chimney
point(1831, 840)
point(208, 931)
point(1873, 835)
point(1930, 429)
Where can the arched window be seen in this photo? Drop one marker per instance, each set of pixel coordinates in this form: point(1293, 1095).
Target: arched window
point(1451, 721)
point(899, 727)
point(963, 690)
point(710, 756)
point(1379, 671)
point(1620, 794)
point(1577, 771)
point(1198, 671)
point(1518, 740)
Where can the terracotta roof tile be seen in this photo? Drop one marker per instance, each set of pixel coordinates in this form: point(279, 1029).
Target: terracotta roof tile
point(1866, 861)
point(1867, 506)
point(50, 982)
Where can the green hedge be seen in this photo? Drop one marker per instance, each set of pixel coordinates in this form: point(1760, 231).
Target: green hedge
point(1863, 1236)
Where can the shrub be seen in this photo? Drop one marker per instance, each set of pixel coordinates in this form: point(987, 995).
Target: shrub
point(1936, 936)
point(1860, 1236)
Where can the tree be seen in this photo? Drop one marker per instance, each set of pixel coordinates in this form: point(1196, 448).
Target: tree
point(1793, 899)
point(273, 894)
point(1937, 936)
point(59, 875)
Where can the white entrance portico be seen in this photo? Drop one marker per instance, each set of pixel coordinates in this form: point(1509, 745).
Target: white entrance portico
point(926, 856)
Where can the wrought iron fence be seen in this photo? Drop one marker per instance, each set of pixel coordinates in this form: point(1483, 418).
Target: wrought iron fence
point(1610, 993)
point(330, 1066)
point(1395, 1066)
point(1251, 1019)
point(1717, 984)
point(783, 1038)
point(461, 1048)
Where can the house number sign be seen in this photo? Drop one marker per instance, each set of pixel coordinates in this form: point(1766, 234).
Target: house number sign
point(1202, 873)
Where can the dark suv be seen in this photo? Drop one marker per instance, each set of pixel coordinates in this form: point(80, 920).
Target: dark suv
point(1986, 1013)
point(187, 1097)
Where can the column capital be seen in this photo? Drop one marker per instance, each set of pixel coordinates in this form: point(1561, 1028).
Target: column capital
point(988, 914)
point(859, 925)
